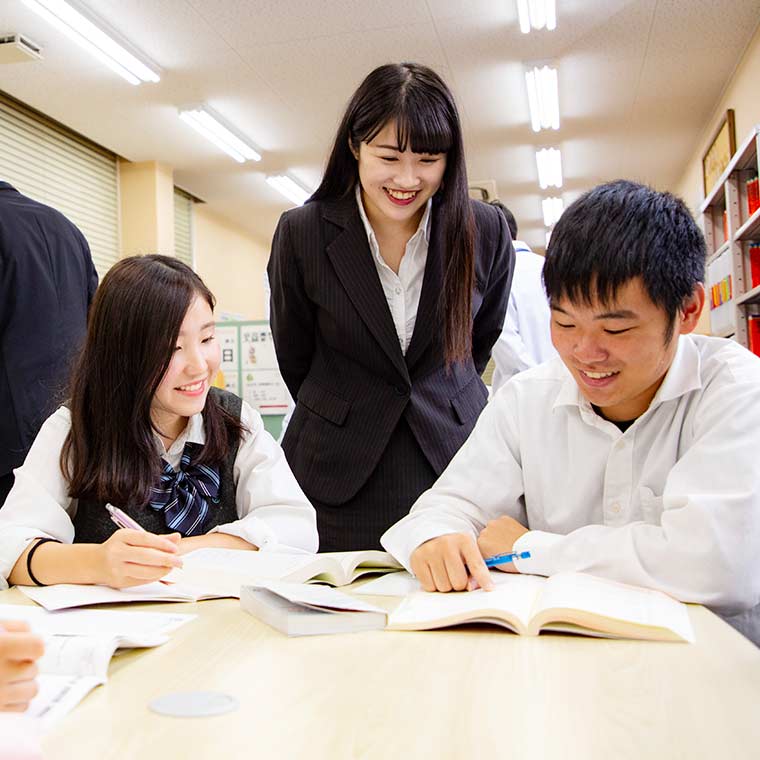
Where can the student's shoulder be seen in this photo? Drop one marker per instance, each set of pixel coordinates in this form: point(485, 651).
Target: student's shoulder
point(537, 387)
point(487, 217)
point(725, 362)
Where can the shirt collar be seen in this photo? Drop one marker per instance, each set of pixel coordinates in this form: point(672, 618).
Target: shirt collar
point(193, 433)
point(423, 228)
point(682, 377)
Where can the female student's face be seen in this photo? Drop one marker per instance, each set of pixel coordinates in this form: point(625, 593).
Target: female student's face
point(193, 366)
point(396, 185)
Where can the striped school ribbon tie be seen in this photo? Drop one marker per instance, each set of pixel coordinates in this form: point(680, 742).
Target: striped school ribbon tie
point(184, 495)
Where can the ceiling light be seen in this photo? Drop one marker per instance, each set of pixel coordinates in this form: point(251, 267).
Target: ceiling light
point(209, 124)
point(536, 14)
point(549, 162)
point(543, 97)
point(553, 208)
point(287, 186)
point(77, 27)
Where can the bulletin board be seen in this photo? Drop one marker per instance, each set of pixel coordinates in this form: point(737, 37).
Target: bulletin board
point(249, 366)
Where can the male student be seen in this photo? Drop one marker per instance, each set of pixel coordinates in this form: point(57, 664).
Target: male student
point(634, 455)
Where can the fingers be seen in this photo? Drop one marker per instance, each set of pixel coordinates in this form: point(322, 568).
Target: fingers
point(19, 647)
point(168, 543)
point(17, 626)
point(450, 563)
point(477, 566)
point(15, 697)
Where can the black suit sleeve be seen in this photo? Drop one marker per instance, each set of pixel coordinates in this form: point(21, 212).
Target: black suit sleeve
point(489, 320)
point(92, 274)
point(291, 310)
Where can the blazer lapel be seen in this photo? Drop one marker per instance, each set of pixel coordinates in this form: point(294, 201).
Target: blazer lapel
point(428, 321)
point(351, 257)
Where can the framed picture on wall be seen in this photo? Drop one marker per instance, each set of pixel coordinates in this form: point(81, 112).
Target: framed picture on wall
point(718, 154)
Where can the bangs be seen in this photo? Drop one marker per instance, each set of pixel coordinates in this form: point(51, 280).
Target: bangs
point(423, 126)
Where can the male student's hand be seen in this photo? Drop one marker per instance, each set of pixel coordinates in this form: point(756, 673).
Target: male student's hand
point(133, 557)
point(450, 563)
point(18, 651)
point(498, 537)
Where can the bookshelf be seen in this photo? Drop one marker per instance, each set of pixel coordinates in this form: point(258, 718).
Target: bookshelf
point(731, 232)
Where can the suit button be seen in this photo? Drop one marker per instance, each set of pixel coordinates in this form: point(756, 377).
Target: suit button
point(401, 391)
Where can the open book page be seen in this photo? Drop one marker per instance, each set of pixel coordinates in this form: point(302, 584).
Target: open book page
point(391, 584)
point(509, 604)
point(356, 564)
point(610, 607)
point(65, 595)
point(58, 696)
point(133, 629)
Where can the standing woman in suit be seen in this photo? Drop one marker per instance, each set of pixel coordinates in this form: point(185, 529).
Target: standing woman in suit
point(389, 287)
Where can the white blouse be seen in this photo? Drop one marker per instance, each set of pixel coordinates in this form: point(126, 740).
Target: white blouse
point(402, 290)
point(273, 512)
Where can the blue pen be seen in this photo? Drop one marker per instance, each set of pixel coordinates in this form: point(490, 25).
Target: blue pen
point(502, 559)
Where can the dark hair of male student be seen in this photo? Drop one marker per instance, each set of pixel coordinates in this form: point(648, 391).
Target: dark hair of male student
point(619, 231)
point(427, 120)
point(509, 216)
point(110, 452)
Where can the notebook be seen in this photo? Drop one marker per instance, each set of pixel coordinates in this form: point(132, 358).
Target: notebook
point(216, 573)
point(298, 609)
point(79, 646)
point(566, 602)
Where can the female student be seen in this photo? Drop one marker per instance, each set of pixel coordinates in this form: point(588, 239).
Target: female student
point(144, 431)
point(389, 288)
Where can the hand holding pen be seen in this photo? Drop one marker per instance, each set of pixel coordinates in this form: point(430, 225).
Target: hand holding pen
point(133, 556)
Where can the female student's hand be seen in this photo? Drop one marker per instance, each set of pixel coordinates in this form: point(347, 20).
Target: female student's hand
point(18, 651)
point(132, 557)
point(216, 540)
point(450, 563)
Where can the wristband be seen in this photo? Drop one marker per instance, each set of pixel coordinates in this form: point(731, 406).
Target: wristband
point(31, 554)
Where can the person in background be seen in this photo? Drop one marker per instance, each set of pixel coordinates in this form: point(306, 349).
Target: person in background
point(47, 281)
point(143, 431)
point(389, 287)
point(632, 456)
point(19, 651)
point(525, 340)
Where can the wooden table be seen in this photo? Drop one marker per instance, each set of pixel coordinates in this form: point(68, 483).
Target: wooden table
point(463, 693)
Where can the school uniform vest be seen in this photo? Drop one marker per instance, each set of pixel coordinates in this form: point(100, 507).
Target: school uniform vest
point(92, 522)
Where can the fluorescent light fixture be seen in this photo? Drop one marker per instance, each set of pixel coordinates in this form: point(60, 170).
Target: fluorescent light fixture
point(543, 97)
point(537, 14)
point(207, 123)
point(549, 163)
point(294, 191)
point(553, 208)
point(77, 27)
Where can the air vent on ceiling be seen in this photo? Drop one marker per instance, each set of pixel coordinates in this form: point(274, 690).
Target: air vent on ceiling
point(15, 48)
point(484, 190)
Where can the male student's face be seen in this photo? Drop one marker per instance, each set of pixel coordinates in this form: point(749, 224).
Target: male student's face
point(618, 353)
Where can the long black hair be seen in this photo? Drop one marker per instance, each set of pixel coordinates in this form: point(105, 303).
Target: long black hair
point(110, 452)
point(427, 121)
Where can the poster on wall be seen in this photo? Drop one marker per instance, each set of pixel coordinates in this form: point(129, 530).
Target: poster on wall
point(249, 366)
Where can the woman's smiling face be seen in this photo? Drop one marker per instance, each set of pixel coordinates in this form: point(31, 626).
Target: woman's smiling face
point(396, 184)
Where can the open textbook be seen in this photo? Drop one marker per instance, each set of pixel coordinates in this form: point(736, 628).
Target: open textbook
point(567, 602)
point(79, 646)
point(214, 573)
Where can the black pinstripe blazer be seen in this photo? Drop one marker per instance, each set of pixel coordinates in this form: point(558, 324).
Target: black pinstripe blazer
point(340, 356)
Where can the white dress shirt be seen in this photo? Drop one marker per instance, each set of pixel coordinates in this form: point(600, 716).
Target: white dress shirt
point(273, 510)
point(672, 504)
point(402, 290)
point(525, 339)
